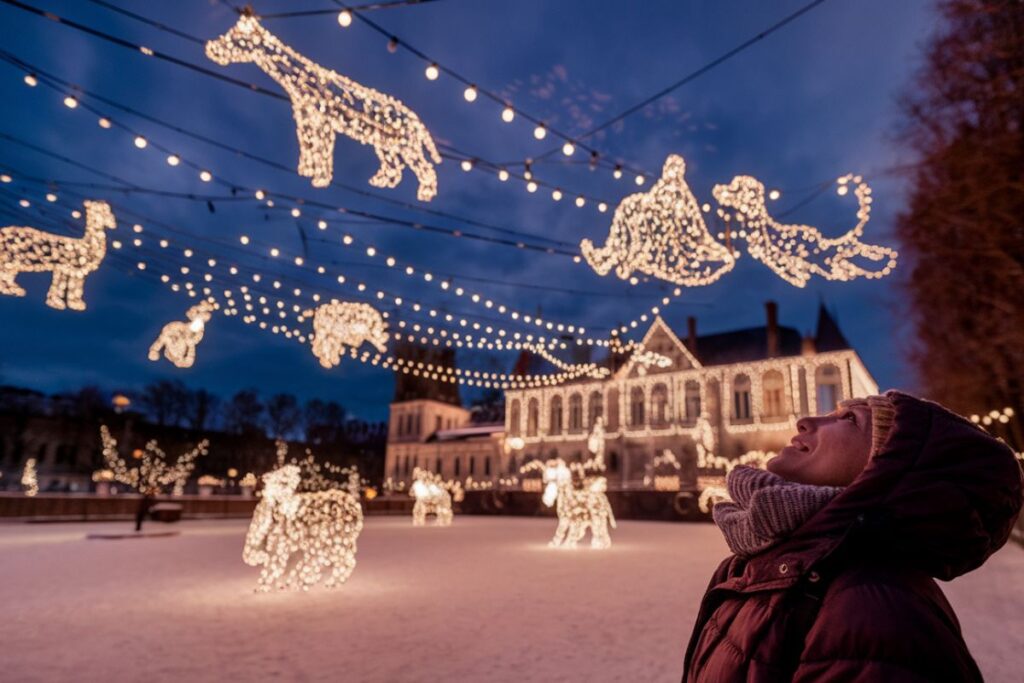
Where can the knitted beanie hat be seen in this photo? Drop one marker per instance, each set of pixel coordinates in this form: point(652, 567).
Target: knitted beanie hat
point(883, 413)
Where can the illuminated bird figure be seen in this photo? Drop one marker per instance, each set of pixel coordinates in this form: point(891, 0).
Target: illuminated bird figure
point(178, 340)
point(796, 252)
point(70, 259)
point(325, 103)
point(661, 233)
point(296, 537)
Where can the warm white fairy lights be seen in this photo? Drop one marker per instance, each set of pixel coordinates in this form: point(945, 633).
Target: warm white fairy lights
point(325, 103)
point(432, 498)
point(797, 252)
point(296, 537)
point(994, 417)
point(29, 479)
point(341, 323)
point(578, 495)
point(661, 233)
point(69, 259)
point(154, 472)
point(178, 340)
point(664, 472)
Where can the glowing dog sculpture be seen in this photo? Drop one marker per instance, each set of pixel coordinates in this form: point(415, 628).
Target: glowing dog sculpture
point(70, 259)
point(178, 340)
point(796, 252)
point(579, 507)
point(296, 537)
point(432, 498)
point(339, 324)
point(325, 103)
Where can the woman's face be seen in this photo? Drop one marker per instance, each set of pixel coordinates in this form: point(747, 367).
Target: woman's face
point(830, 450)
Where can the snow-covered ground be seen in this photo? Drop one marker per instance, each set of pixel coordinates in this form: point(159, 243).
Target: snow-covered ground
point(483, 600)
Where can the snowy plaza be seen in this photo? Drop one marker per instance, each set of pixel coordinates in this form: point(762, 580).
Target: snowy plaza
point(482, 600)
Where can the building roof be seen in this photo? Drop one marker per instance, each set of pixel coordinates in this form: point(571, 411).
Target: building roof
point(740, 346)
point(465, 433)
point(828, 336)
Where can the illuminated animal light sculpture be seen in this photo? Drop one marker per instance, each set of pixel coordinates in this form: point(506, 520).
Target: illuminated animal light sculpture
point(432, 498)
point(178, 340)
point(70, 259)
point(296, 537)
point(325, 104)
point(29, 479)
point(339, 324)
point(661, 233)
point(797, 252)
point(579, 508)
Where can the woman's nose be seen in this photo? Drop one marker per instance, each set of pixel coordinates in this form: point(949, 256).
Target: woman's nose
point(804, 425)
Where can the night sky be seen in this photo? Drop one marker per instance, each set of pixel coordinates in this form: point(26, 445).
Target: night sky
point(813, 101)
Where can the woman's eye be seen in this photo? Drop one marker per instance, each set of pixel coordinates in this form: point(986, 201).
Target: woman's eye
point(852, 417)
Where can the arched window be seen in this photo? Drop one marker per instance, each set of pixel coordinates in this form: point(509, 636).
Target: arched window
point(532, 417)
point(458, 467)
point(472, 464)
point(439, 465)
point(636, 407)
point(659, 405)
point(613, 461)
point(513, 418)
point(512, 464)
point(487, 466)
point(398, 468)
point(691, 400)
point(595, 407)
point(555, 425)
point(576, 413)
point(741, 397)
point(829, 387)
point(612, 410)
point(774, 388)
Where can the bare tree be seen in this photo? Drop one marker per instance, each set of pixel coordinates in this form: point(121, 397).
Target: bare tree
point(200, 409)
point(244, 412)
point(963, 229)
point(283, 415)
point(164, 401)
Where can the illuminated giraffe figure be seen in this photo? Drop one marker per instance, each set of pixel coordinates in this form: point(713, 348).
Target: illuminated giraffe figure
point(70, 259)
point(326, 103)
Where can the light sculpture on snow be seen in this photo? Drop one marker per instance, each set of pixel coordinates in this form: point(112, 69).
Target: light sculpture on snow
point(325, 103)
point(432, 498)
point(69, 259)
point(579, 506)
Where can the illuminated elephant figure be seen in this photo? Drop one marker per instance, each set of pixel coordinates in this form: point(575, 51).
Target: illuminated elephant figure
point(578, 508)
point(432, 498)
point(318, 528)
point(341, 323)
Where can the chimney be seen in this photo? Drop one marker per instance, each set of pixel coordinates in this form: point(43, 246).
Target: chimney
point(807, 346)
point(771, 310)
point(691, 334)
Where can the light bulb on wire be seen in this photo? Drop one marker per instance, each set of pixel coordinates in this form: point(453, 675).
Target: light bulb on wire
point(432, 72)
point(568, 149)
point(344, 18)
point(470, 93)
point(540, 132)
point(508, 114)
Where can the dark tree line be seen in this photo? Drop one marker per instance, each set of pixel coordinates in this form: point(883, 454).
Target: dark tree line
point(963, 230)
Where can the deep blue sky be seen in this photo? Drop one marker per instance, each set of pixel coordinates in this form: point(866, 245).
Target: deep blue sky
point(809, 103)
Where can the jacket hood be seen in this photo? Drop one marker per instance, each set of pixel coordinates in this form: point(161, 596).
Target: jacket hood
point(941, 495)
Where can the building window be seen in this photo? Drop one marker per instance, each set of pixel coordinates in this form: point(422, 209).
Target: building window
point(458, 467)
point(576, 413)
point(774, 388)
point(556, 416)
point(439, 465)
point(659, 405)
point(612, 410)
point(691, 400)
point(741, 397)
point(513, 418)
point(636, 407)
point(829, 388)
point(398, 468)
point(472, 464)
point(437, 423)
point(512, 464)
point(487, 466)
point(595, 407)
point(532, 417)
point(613, 462)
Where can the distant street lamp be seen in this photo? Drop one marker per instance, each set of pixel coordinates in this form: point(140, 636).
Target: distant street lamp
point(120, 402)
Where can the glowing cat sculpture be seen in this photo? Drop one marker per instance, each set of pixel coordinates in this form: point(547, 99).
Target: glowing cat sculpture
point(579, 506)
point(297, 537)
point(326, 104)
point(178, 340)
point(70, 259)
point(661, 233)
point(432, 498)
point(798, 252)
